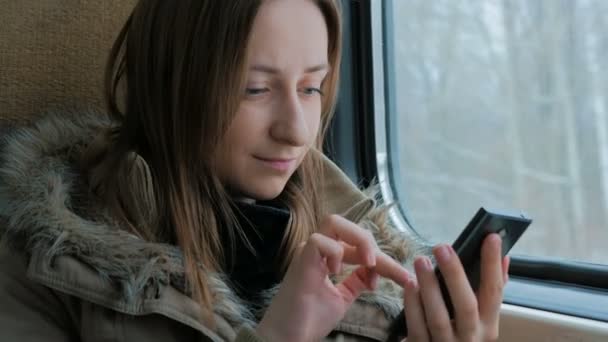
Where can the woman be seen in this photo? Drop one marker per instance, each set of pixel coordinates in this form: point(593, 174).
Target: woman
point(202, 209)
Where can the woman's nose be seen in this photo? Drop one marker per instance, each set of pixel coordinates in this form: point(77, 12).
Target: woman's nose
point(290, 125)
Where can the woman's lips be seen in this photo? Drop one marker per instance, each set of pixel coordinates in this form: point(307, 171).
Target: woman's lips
point(282, 165)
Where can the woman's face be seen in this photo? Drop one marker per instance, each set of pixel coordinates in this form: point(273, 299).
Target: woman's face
point(279, 114)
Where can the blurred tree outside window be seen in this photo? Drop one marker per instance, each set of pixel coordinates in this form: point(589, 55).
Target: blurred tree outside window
point(504, 104)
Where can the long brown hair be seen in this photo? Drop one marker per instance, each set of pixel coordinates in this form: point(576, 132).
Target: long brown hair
point(182, 66)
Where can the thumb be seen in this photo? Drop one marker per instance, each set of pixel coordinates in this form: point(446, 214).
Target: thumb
point(363, 278)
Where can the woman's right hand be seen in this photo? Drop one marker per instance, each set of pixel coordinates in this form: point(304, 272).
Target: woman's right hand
point(308, 305)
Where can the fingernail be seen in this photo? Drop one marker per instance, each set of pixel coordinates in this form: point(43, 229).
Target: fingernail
point(371, 260)
point(423, 264)
point(443, 254)
point(428, 265)
point(419, 264)
point(410, 282)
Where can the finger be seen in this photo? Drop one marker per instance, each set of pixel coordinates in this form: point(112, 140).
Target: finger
point(360, 280)
point(389, 268)
point(359, 244)
point(435, 312)
point(463, 298)
point(352, 255)
point(340, 228)
point(385, 265)
point(506, 261)
point(320, 247)
point(491, 284)
point(414, 312)
point(373, 278)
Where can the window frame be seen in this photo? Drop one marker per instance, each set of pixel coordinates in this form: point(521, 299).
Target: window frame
point(351, 126)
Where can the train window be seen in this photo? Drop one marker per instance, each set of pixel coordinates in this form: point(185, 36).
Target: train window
point(501, 104)
point(456, 105)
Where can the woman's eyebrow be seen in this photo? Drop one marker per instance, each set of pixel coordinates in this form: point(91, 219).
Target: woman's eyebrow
point(271, 70)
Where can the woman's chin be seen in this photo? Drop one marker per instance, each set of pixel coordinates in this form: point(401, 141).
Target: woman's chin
point(265, 191)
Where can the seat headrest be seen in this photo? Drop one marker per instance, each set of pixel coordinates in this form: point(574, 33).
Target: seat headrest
point(53, 53)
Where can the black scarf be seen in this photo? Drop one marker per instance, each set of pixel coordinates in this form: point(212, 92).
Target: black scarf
point(264, 224)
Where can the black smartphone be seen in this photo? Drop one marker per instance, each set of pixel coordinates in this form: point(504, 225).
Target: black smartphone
point(510, 226)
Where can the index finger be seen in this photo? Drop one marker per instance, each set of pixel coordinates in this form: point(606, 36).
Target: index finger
point(386, 266)
point(360, 245)
point(389, 268)
point(339, 228)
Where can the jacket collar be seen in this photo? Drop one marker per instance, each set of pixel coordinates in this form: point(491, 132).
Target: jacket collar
point(78, 249)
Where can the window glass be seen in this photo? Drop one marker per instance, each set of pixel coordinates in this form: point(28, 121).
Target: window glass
point(502, 104)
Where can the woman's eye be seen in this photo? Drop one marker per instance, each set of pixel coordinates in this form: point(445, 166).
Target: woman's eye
point(255, 91)
point(312, 91)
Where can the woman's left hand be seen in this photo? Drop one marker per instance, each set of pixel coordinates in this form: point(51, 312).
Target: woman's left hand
point(476, 316)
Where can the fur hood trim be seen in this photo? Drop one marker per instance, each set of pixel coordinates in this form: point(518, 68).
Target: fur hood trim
point(47, 212)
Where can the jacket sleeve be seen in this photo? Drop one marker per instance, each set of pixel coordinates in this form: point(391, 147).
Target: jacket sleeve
point(29, 311)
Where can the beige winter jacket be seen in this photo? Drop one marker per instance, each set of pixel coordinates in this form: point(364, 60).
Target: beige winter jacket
point(66, 274)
